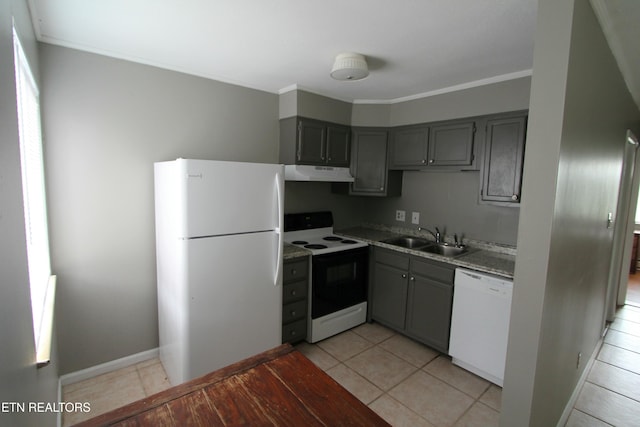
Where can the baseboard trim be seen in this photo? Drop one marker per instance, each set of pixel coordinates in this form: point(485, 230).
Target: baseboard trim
point(583, 378)
point(103, 368)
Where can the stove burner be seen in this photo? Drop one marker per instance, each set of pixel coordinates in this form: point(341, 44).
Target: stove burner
point(332, 238)
point(348, 242)
point(299, 242)
point(315, 246)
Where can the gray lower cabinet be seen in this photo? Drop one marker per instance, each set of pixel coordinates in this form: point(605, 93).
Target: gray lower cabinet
point(295, 285)
point(413, 295)
point(429, 302)
point(369, 166)
point(389, 291)
point(503, 160)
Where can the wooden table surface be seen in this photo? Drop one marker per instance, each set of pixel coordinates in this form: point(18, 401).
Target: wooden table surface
point(279, 387)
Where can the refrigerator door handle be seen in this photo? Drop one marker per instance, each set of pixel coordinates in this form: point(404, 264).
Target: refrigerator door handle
point(280, 226)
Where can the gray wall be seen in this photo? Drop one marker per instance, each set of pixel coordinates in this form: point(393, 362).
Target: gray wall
point(580, 109)
point(448, 200)
point(20, 380)
point(106, 122)
point(509, 95)
point(444, 199)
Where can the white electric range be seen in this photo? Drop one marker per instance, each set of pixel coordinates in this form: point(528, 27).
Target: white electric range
point(339, 274)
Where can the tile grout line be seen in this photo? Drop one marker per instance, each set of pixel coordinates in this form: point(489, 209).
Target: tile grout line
point(612, 391)
point(476, 400)
point(593, 416)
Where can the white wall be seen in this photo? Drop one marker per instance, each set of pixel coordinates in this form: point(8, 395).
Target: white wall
point(20, 380)
point(106, 122)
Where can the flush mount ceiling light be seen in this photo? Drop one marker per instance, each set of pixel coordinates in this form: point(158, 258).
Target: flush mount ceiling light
point(349, 66)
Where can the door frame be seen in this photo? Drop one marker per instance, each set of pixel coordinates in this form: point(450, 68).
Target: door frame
point(624, 227)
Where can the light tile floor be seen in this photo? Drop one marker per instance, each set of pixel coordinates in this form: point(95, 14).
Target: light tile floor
point(409, 384)
point(114, 389)
point(405, 382)
point(611, 394)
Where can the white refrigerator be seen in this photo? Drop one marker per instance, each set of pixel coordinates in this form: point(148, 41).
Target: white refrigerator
point(219, 232)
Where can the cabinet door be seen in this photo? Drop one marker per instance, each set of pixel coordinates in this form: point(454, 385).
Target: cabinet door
point(337, 146)
point(451, 144)
point(409, 147)
point(369, 162)
point(429, 311)
point(503, 159)
point(389, 299)
point(311, 142)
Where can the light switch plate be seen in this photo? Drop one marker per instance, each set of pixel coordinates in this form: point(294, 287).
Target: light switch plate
point(415, 218)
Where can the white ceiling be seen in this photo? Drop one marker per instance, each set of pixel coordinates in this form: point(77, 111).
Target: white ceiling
point(414, 47)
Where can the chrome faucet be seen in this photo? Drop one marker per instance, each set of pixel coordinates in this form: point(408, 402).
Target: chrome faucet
point(436, 235)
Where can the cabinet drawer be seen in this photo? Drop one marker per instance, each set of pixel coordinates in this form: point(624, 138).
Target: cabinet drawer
point(295, 270)
point(294, 291)
point(392, 258)
point(433, 269)
point(295, 331)
point(294, 311)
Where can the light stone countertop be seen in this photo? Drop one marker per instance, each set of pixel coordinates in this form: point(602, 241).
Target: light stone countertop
point(292, 251)
point(481, 256)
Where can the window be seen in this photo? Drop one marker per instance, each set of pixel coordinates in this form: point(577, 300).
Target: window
point(35, 209)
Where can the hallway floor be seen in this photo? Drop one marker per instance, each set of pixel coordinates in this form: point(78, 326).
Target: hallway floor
point(633, 290)
point(611, 394)
point(409, 384)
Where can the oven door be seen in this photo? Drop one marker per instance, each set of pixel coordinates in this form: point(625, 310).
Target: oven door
point(339, 280)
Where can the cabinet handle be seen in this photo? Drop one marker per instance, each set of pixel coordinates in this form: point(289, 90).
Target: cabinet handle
point(514, 197)
point(413, 279)
point(381, 188)
point(404, 276)
point(424, 161)
point(293, 313)
point(430, 160)
point(293, 293)
point(294, 272)
point(293, 333)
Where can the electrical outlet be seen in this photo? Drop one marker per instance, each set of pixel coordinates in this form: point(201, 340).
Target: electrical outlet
point(400, 215)
point(415, 218)
point(579, 360)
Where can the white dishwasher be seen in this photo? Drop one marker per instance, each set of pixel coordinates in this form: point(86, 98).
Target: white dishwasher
point(480, 323)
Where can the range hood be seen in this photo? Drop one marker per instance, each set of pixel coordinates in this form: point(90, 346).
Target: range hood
point(317, 173)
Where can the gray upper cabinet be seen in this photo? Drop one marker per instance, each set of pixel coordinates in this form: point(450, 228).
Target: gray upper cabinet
point(310, 147)
point(369, 166)
point(314, 142)
point(452, 144)
point(434, 146)
point(409, 147)
point(338, 145)
point(503, 160)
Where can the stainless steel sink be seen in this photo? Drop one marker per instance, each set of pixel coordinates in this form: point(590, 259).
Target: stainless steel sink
point(424, 245)
point(408, 242)
point(444, 249)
